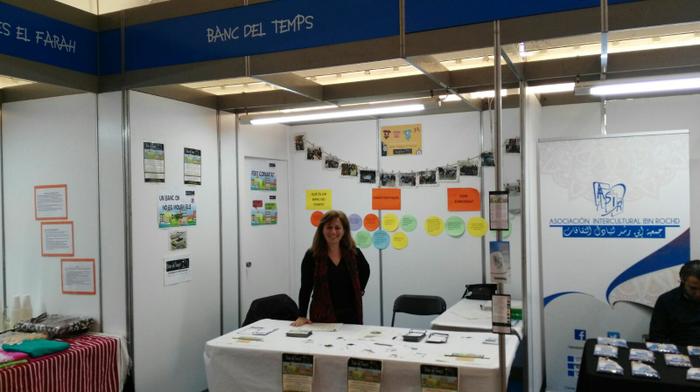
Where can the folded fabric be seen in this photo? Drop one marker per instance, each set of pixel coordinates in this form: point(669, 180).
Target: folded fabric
point(56, 325)
point(37, 348)
point(19, 337)
point(11, 356)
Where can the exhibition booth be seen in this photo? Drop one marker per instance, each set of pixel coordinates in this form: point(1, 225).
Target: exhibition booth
point(165, 166)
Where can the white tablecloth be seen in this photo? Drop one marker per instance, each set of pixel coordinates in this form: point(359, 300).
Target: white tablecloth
point(241, 365)
point(467, 315)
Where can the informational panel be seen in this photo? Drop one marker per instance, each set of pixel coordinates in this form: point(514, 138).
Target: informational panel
point(265, 235)
point(615, 228)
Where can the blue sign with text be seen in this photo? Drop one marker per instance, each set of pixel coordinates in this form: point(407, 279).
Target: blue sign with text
point(261, 28)
point(36, 37)
point(422, 15)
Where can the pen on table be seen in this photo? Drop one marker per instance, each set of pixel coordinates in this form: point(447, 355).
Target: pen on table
point(466, 355)
point(383, 344)
point(251, 338)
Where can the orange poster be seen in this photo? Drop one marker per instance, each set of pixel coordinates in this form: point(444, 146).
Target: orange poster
point(463, 199)
point(386, 199)
point(371, 222)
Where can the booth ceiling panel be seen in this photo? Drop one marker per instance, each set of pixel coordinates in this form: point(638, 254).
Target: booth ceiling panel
point(278, 98)
point(295, 84)
point(326, 56)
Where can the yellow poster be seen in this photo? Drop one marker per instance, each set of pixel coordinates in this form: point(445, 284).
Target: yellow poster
point(399, 240)
point(477, 226)
point(390, 222)
point(402, 140)
point(319, 199)
point(434, 225)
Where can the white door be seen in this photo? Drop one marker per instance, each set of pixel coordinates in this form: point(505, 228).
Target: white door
point(264, 227)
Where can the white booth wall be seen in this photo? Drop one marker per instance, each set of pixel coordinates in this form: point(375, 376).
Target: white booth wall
point(172, 323)
point(47, 141)
point(112, 235)
point(439, 265)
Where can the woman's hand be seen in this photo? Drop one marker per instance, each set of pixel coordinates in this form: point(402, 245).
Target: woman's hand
point(300, 321)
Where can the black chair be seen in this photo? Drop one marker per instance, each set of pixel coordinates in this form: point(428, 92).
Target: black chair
point(482, 291)
point(279, 307)
point(422, 305)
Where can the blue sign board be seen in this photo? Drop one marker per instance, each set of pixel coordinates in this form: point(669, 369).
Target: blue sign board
point(422, 15)
point(36, 37)
point(110, 52)
point(261, 28)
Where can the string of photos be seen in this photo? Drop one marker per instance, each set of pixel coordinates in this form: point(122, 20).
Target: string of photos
point(449, 172)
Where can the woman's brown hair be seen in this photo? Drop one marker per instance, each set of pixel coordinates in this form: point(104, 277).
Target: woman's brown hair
point(319, 247)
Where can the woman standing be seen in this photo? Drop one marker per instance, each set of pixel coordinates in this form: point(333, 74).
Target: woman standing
point(337, 273)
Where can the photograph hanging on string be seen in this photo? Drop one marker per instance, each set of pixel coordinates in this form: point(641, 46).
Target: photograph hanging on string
point(513, 145)
point(487, 159)
point(387, 179)
point(513, 187)
point(314, 153)
point(448, 173)
point(348, 170)
point(368, 176)
point(407, 179)
point(427, 177)
point(468, 168)
point(299, 142)
point(331, 162)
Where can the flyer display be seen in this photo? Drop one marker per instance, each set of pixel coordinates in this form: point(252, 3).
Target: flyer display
point(177, 209)
point(177, 270)
point(153, 162)
point(297, 372)
point(193, 166)
point(401, 140)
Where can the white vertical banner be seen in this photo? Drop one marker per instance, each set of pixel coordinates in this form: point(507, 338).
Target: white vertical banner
point(615, 220)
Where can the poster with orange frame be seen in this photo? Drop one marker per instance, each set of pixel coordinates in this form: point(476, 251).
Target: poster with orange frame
point(57, 239)
point(51, 202)
point(78, 276)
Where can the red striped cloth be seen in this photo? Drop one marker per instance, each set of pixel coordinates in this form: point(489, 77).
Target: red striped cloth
point(90, 364)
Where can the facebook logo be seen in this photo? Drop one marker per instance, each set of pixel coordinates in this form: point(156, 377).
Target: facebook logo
point(579, 334)
point(613, 334)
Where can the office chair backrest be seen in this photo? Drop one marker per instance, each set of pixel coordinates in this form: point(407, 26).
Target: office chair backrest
point(482, 291)
point(418, 304)
point(279, 307)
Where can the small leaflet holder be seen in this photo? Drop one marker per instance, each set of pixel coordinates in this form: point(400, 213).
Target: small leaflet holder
point(299, 333)
point(414, 335)
point(437, 337)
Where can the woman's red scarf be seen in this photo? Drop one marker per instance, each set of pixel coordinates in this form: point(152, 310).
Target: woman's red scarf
point(321, 304)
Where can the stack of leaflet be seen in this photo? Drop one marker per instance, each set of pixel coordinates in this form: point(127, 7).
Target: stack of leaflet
point(8, 359)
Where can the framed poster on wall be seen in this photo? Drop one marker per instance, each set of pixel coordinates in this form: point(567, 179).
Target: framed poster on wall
point(57, 239)
point(78, 276)
point(51, 202)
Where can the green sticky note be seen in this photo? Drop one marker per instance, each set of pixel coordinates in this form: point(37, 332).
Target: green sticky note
point(408, 223)
point(455, 226)
point(363, 239)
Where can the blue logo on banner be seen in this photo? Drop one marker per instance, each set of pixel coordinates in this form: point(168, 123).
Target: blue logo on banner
point(571, 365)
point(613, 334)
point(579, 334)
point(609, 199)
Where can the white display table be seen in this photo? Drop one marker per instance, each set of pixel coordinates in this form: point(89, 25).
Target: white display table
point(468, 315)
point(234, 364)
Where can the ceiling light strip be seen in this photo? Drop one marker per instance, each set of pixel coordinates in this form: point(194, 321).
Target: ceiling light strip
point(336, 114)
